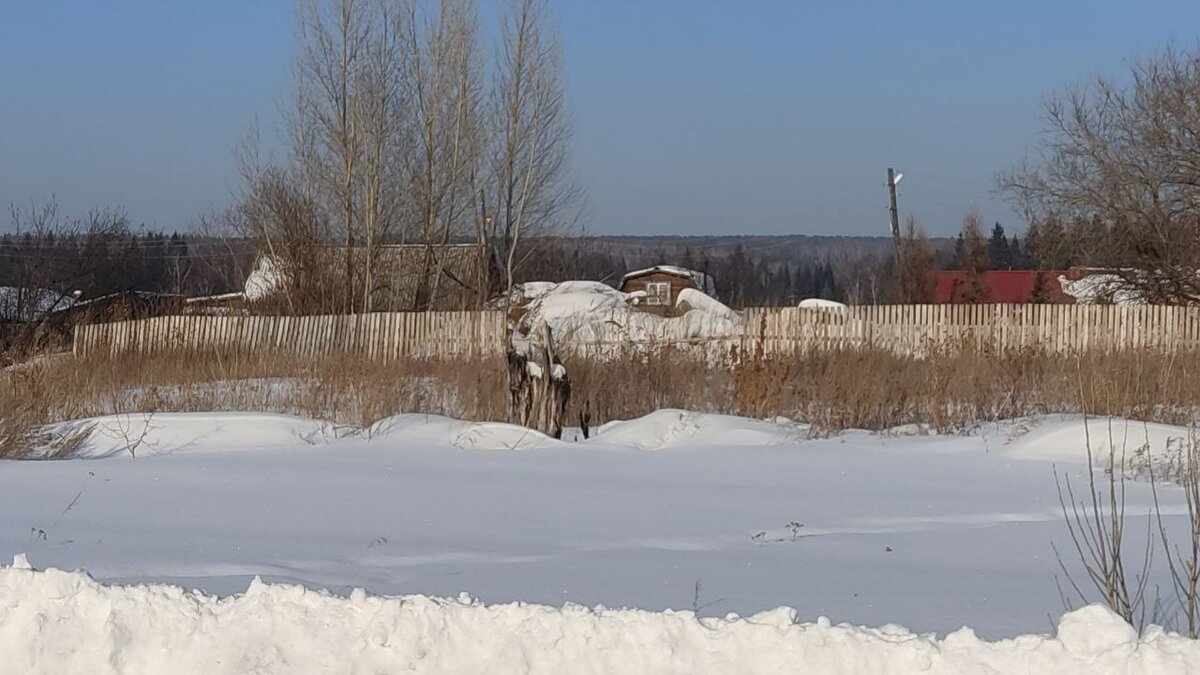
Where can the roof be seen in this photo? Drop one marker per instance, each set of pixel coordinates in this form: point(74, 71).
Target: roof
point(1007, 287)
point(701, 280)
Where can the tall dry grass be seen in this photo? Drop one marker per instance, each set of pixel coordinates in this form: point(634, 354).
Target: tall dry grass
point(877, 390)
point(833, 391)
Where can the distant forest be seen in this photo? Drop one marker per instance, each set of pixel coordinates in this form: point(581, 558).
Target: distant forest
point(749, 270)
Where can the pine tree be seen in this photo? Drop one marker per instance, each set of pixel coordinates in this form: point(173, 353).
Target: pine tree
point(999, 252)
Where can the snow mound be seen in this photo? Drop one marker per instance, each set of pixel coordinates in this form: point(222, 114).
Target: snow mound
point(53, 622)
point(669, 428)
point(1096, 289)
point(820, 303)
point(594, 313)
point(1066, 438)
point(423, 430)
point(148, 434)
point(265, 279)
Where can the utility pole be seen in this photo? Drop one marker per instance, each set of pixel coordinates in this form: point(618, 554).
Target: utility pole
point(895, 216)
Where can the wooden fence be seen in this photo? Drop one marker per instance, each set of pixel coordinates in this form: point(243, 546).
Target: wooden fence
point(906, 329)
point(382, 335)
point(929, 329)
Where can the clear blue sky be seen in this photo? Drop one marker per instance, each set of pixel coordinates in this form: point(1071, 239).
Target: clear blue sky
point(770, 116)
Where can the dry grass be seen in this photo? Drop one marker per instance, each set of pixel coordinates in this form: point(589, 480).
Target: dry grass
point(878, 390)
point(833, 391)
point(347, 391)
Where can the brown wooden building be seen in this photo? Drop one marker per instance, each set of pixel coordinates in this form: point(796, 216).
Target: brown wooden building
point(658, 287)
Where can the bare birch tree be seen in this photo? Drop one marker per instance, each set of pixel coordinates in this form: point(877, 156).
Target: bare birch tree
point(532, 133)
point(443, 66)
point(334, 43)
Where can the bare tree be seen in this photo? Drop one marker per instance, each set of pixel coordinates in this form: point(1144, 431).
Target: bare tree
point(443, 66)
point(325, 127)
point(973, 260)
point(533, 192)
point(382, 116)
point(1122, 167)
point(916, 270)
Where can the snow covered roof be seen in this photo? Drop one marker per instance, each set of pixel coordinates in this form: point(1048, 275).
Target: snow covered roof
point(702, 281)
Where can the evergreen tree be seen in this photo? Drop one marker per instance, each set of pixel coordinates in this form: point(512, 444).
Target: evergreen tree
point(999, 252)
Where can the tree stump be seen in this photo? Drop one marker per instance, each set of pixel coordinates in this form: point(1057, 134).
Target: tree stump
point(537, 382)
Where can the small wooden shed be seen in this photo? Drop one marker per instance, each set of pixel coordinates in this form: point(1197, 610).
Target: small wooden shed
point(658, 287)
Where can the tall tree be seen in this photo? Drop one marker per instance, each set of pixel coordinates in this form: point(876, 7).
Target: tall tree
point(916, 270)
point(999, 251)
point(444, 71)
point(531, 187)
point(973, 260)
point(1121, 155)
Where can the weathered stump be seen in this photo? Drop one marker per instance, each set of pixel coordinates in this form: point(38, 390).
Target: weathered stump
point(537, 382)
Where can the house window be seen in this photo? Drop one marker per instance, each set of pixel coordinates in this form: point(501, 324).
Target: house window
point(658, 293)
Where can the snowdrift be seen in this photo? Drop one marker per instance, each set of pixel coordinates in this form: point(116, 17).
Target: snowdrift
point(592, 313)
point(417, 429)
point(146, 434)
point(1066, 438)
point(669, 428)
point(55, 622)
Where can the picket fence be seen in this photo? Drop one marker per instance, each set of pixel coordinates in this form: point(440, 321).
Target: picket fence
point(384, 336)
point(918, 330)
point(930, 329)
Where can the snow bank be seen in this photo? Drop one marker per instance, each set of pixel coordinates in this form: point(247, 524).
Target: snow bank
point(1095, 289)
point(166, 433)
point(265, 279)
point(820, 303)
point(592, 312)
point(669, 428)
point(54, 622)
point(1066, 438)
point(418, 430)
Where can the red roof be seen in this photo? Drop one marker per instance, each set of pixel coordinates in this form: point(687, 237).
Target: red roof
point(1015, 287)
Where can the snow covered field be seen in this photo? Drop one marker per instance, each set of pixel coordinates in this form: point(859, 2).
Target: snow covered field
point(674, 510)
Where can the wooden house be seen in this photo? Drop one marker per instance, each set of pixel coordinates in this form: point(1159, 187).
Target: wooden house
point(656, 289)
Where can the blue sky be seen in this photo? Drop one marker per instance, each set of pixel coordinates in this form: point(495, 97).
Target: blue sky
point(691, 116)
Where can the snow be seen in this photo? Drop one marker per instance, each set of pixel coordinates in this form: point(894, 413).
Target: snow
point(701, 280)
point(932, 532)
point(1101, 288)
point(1064, 438)
point(165, 433)
point(589, 313)
point(266, 278)
point(34, 302)
point(819, 303)
point(669, 428)
point(435, 430)
point(54, 621)
point(692, 300)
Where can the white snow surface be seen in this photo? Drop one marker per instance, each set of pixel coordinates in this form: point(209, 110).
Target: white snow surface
point(668, 428)
point(820, 303)
point(33, 302)
point(674, 510)
point(265, 278)
point(1100, 288)
point(64, 622)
